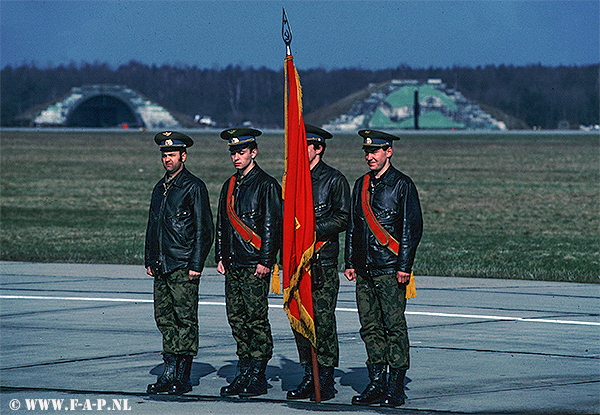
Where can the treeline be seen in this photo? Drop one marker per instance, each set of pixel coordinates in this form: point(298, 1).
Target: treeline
point(541, 96)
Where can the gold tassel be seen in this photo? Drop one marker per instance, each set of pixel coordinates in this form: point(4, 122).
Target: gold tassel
point(411, 288)
point(275, 283)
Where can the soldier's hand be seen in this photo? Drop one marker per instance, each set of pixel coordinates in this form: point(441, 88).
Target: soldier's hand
point(221, 268)
point(350, 274)
point(262, 271)
point(149, 271)
point(403, 277)
point(194, 275)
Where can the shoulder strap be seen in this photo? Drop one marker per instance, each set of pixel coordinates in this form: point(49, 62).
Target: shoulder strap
point(381, 234)
point(240, 227)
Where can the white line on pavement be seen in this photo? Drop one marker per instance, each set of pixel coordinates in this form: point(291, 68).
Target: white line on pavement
point(214, 303)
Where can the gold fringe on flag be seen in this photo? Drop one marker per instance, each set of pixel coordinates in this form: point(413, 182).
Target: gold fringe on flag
point(275, 281)
point(411, 288)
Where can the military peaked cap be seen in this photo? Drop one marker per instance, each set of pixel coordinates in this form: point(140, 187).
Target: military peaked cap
point(316, 134)
point(240, 136)
point(376, 139)
point(172, 140)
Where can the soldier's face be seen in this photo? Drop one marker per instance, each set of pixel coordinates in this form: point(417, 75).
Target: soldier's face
point(313, 153)
point(243, 158)
point(173, 161)
point(378, 159)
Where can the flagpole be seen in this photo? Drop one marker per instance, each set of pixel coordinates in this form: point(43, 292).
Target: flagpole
point(286, 34)
point(316, 374)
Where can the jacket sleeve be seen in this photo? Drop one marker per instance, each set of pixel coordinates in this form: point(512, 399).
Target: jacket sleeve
point(204, 227)
point(337, 222)
point(221, 250)
point(150, 251)
point(350, 232)
point(148, 254)
point(412, 228)
point(272, 226)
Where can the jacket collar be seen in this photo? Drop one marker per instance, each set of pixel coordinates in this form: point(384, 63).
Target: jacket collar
point(387, 178)
point(248, 178)
point(177, 180)
point(318, 170)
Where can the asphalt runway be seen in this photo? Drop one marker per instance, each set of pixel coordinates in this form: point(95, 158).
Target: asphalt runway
point(81, 338)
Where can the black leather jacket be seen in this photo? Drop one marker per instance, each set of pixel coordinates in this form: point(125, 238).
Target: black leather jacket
point(180, 225)
point(331, 198)
point(395, 204)
point(257, 202)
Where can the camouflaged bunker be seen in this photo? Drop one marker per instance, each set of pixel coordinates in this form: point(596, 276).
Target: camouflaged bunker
point(410, 104)
point(105, 106)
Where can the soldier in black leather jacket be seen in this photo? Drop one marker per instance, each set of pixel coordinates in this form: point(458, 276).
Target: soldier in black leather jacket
point(395, 203)
point(331, 200)
point(381, 241)
point(257, 199)
point(178, 240)
point(180, 226)
point(249, 233)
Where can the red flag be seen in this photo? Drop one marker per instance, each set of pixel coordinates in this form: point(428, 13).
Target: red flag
point(298, 212)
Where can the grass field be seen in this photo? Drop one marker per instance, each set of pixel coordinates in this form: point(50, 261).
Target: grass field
point(507, 206)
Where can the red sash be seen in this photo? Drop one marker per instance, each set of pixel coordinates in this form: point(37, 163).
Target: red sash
point(319, 245)
point(240, 227)
point(381, 234)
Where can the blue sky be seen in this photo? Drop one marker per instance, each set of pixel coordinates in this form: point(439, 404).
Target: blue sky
point(326, 34)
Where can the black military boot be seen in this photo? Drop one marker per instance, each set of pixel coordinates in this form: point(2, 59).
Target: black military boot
point(326, 383)
point(395, 391)
point(257, 380)
point(183, 369)
point(306, 388)
point(165, 381)
point(240, 381)
point(375, 391)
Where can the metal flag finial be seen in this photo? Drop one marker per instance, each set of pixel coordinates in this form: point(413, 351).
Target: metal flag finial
point(286, 33)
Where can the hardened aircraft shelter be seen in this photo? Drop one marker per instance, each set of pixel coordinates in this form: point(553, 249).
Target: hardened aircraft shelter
point(103, 106)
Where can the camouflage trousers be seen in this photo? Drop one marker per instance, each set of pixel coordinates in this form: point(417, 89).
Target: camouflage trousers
point(176, 311)
point(381, 303)
point(324, 302)
point(248, 313)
